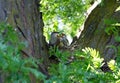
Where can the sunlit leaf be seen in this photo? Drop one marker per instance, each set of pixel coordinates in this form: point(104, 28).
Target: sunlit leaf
point(112, 65)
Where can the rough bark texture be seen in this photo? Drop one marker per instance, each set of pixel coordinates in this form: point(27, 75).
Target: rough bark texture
point(24, 15)
point(94, 34)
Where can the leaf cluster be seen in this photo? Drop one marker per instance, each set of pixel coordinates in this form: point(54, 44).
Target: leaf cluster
point(61, 15)
point(113, 27)
point(84, 69)
point(14, 68)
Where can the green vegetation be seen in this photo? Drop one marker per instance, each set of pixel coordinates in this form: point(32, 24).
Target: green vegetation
point(16, 67)
point(84, 69)
point(86, 66)
point(113, 27)
point(58, 15)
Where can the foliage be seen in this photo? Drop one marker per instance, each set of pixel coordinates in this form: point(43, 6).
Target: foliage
point(13, 66)
point(61, 15)
point(84, 69)
point(86, 66)
point(113, 27)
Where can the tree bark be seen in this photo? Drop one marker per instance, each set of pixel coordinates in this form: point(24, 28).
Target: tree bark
point(94, 34)
point(24, 15)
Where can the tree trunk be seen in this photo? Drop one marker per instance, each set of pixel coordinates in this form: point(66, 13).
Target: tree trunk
point(24, 15)
point(94, 34)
